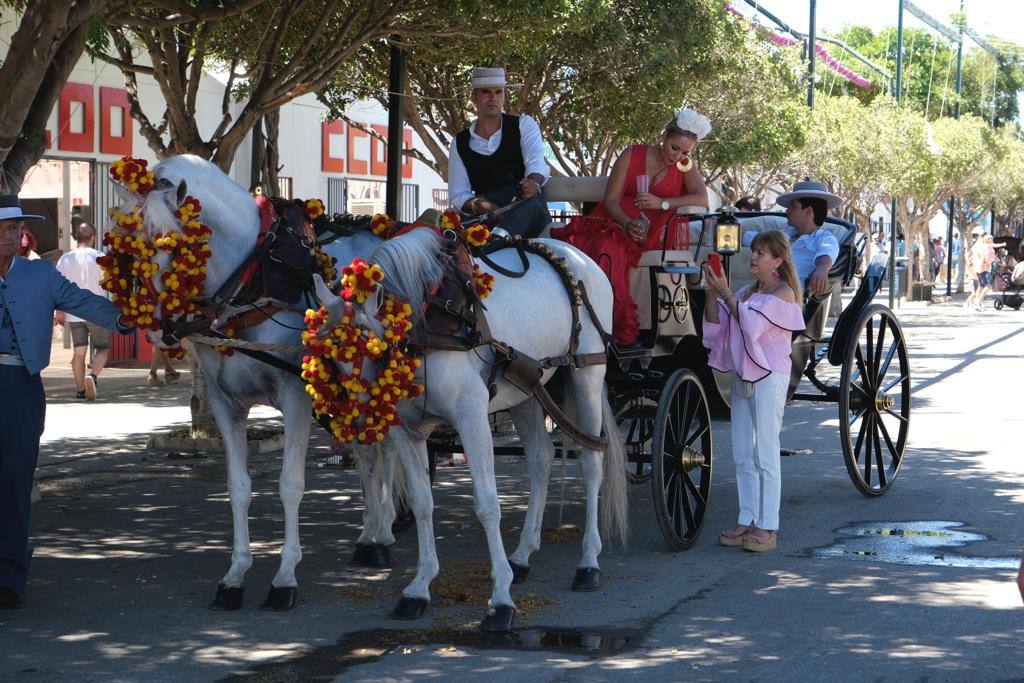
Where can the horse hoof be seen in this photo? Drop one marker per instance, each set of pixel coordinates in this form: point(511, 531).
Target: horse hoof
point(499, 619)
point(363, 555)
point(381, 558)
point(409, 608)
point(587, 579)
point(227, 599)
point(519, 572)
point(280, 599)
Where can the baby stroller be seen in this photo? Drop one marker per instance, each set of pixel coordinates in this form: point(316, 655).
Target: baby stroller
point(1012, 293)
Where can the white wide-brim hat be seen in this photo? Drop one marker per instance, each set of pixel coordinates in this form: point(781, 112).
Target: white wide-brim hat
point(810, 189)
point(10, 210)
point(488, 77)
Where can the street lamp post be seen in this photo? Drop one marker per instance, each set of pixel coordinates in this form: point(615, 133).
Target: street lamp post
point(899, 102)
point(396, 122)
point(952, 199)
point(812, 34)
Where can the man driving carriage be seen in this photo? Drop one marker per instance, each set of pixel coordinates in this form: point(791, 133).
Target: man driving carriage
point(498, 159)
point(814, 248)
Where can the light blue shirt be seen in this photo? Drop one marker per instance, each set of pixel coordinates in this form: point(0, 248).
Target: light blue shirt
point(809, 248)
point(806, 249)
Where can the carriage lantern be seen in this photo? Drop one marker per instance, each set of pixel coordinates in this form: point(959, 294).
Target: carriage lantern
point(727, 232)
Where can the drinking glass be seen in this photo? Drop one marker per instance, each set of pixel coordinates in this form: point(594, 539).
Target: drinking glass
point(642, 184)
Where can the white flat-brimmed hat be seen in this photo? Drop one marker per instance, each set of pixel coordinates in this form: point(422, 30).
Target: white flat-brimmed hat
point(10, 209)
point(811, 189)
point(488, 77)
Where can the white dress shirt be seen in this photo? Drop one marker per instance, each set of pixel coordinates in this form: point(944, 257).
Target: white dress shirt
point(79, 265)
point(530, 142)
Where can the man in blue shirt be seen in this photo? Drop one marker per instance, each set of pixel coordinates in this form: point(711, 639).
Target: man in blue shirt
point(814, 249)
point(30, 291)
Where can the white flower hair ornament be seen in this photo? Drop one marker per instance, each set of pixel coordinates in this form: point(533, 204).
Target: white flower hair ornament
point(694, 122)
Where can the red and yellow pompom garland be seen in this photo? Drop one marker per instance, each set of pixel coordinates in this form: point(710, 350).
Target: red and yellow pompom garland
point(127, 243)
point(484, 282)
point(314, 209)
point(359, 280)
point(380, 224)
point(358, 408)
point(133, 175)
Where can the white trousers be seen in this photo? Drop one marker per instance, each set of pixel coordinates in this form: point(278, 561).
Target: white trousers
point(756, 421)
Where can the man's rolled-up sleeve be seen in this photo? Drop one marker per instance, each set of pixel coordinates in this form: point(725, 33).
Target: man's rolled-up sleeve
point(826, 244)
point(459, 189)
point(532, 145)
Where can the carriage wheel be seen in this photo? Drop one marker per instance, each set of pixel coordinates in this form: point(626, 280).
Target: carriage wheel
point(681, 459)
point(636, 424)
point(874, 401)
point(997, 304)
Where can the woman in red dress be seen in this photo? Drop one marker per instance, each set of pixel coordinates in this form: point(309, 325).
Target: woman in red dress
point(615, 233)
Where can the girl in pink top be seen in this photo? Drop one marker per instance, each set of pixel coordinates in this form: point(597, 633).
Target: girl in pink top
point(750, 334)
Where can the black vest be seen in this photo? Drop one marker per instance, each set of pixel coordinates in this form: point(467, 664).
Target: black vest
point(504, 167)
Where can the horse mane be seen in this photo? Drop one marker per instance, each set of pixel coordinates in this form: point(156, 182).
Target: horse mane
point(411, 265)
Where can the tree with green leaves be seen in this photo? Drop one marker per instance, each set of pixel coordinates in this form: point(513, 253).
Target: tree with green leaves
point(597, 75)
point(47, 43)
point(271, 53)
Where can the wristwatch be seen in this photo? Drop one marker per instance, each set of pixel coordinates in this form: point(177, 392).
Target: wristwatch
point(664, 205)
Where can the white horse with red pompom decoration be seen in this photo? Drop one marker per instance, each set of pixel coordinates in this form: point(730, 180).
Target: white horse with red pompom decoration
point(456, 393)
point(237, 382)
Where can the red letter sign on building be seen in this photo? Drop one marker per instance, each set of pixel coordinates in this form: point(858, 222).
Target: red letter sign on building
point(79, 94)
point(114, 103)
point(328, 163)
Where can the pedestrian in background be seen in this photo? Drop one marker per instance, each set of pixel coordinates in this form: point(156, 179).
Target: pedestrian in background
point(30, 293)
point(28, 246)
point(79, 266)
point(159, 358)
point(748, 204)
point(750, 334)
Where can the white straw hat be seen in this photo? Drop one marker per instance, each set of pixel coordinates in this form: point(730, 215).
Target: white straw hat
point(811, 189)
point(488, 77)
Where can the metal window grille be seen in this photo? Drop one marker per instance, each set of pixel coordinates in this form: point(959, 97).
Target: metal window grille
point(285, 185)
point(336, 196)
point(410, 202)
point(104, 196)
point(440, 198)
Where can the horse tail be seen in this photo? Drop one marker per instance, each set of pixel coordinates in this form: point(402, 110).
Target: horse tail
point(614, 505)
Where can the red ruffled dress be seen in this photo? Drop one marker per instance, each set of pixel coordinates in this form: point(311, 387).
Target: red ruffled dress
point(602, 239)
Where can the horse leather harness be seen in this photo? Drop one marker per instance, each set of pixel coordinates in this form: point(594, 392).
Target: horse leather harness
point(456, 321)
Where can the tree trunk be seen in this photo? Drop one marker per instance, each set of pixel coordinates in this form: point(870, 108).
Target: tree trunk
point(203, 423)
point(271, 154)
point(36, 82)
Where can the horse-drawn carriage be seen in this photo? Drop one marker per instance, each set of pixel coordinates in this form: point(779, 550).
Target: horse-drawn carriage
point(654, 402)
point(665, 395)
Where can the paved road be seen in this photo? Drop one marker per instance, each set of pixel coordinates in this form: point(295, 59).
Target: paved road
point(129, 547)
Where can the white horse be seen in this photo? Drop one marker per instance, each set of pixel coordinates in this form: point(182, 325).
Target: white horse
point(531, 314)
point(237, 382)
point(373, 547)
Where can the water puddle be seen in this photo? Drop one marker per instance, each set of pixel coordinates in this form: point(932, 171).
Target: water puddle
point(364, 647)
point(912, 543)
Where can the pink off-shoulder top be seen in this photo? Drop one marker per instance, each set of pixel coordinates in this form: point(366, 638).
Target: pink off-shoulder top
point(759, 342)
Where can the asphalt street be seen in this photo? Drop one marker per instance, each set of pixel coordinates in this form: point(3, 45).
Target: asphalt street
point(130, 544)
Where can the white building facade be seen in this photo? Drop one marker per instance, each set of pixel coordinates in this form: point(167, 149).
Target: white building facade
point(91, 126)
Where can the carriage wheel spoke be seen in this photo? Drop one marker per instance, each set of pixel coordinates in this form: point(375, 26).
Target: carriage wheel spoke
point(890, 385)
point(684, 502)
point(879, 343)
point(861, 366)
point(868, 429)
point(701, 502)
point(683, 420)
point(888, 439)
point(860, 439)
point(854, 416)
point(703, 430)
point(879, 457)
point(896, 415)
point(893, 347)
point(869, 344)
